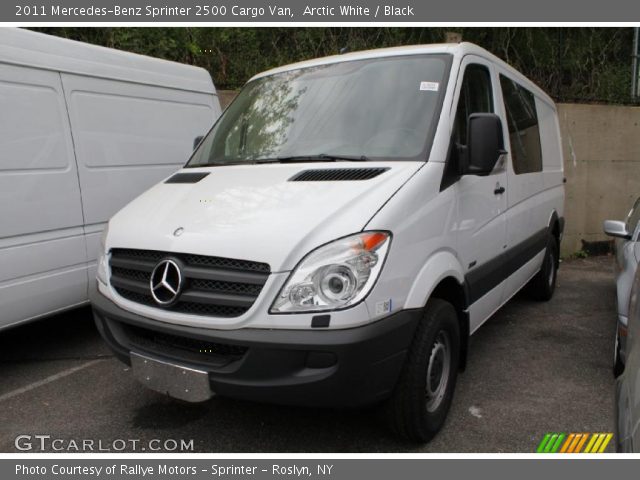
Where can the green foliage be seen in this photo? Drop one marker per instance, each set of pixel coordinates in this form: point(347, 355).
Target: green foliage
point(572, 64)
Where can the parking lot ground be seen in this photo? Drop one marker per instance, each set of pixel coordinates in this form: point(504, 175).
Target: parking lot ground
point(533, 368)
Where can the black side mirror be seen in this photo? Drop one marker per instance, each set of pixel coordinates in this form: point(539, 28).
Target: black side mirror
point(485, 143)
point(197, 140)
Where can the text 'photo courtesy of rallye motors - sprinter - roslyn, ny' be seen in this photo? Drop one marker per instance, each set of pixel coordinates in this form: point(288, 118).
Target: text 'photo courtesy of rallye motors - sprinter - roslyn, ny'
point(143, 471)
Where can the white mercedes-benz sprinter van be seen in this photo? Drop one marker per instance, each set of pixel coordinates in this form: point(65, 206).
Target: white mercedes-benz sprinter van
point(339, 234)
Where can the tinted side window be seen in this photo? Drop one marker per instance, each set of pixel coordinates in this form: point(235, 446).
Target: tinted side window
point(475, 97)
point(524, 131)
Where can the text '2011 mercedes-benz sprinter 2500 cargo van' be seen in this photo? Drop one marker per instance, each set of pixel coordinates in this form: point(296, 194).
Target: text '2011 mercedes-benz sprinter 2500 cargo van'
point(339, 234)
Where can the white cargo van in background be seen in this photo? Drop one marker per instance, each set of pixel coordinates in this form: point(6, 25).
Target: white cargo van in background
point(83, 131)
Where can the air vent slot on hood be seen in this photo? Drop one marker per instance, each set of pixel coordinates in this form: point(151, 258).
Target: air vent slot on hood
point(337, 174)
point(187, 177)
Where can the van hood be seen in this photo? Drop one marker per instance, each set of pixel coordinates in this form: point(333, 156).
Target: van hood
point(255, 212)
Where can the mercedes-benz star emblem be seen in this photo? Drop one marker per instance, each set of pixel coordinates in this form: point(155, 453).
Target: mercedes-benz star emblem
point(166, 282)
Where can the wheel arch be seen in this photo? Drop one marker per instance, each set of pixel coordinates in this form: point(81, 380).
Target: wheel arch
point(555, 227)
point(442, 277)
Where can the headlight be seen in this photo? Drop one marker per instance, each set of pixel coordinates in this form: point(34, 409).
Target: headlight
point(103, 267)
point(336, 275)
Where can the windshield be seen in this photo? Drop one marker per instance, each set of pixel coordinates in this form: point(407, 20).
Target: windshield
point(374, 109)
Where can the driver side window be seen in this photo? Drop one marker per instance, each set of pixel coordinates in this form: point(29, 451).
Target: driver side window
point(475, 97)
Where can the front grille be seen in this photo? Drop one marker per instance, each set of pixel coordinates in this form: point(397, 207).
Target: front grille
point(226, 287)
point(188, 349)
point(230, 263)
point(213, 286)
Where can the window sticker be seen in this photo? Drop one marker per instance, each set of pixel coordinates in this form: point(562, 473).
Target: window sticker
point(429, 86)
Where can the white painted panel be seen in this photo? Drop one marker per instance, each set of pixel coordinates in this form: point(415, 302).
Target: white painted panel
point(93, 233)
point(48, 52)
point(485, 307)
point(224, 213)
point(129, 137)
point(42, 249)
point(119, 130)
point(482, 310)
point(34, 297)
point(521, 276)
point(42, 253)
point(38, 179)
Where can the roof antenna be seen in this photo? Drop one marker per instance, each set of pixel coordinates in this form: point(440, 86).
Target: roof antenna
point(344, 50)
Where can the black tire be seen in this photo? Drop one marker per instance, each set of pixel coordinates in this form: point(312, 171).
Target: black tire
point(411, 412)
point(542, 286)
point(618, 365)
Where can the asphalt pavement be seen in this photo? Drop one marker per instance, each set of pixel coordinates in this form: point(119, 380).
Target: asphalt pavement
point(533, 368)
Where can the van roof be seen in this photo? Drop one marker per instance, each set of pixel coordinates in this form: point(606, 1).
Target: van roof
point(457, 49)
point(33, 49)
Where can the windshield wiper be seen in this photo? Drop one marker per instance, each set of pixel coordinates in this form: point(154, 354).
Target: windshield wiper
point(322, 157)
point(220, 164)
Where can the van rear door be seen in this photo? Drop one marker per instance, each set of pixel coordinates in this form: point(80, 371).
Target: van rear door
point(42, 250)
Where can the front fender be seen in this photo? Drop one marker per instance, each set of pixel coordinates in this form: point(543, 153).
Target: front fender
point(439, 266)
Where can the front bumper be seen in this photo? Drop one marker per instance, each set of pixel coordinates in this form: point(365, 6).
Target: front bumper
point(339, 368)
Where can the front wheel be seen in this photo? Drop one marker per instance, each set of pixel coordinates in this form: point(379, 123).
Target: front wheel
point(422, 397)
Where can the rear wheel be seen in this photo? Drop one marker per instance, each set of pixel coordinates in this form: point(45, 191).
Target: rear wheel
point(542, 286)
point(423, 394)
point(618, 366)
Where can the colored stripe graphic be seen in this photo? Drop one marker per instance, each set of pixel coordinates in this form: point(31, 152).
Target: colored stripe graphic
point(570, 439)
point(592, 440)
point(556, 446)
point(543, 443)
point(581, 443)
point(574, 442)
point(600, 443)
point(550, 443)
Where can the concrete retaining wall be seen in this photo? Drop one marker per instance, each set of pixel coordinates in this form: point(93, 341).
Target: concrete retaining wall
point(602, 166)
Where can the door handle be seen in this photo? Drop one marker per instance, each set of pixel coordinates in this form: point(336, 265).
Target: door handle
point(499, 190)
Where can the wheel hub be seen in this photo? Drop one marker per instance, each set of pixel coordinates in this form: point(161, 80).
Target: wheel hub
point(438, 371)
point(552, 269)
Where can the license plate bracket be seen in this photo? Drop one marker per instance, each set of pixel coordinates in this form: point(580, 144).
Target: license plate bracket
point(177, 381)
